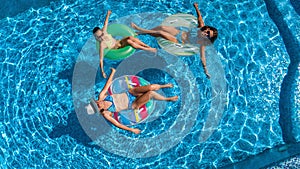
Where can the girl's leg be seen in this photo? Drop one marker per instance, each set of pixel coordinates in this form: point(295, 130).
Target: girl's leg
point(138, 91)
point(136, 43)
point(166, 32)
point(143, 99)
point(136, 40)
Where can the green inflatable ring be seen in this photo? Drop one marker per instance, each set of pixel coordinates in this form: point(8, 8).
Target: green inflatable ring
point(121, 53)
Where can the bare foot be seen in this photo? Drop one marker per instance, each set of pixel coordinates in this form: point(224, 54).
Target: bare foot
point(169, 85)
point(153, 50)
point(133, 25)
point(140, 30)
point(174, 98)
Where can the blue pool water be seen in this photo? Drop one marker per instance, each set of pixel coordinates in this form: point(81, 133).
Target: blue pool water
point(40, 126)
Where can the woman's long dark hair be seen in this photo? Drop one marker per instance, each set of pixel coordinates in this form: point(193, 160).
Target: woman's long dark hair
point(215, 34)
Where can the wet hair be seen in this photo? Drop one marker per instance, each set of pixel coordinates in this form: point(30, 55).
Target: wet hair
point(95, 29)
point(215, 32)
point(101, 110)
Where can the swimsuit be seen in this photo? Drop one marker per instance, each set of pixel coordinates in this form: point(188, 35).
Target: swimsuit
point(109, 41)
point(193, 36)
point(112, 108)
point(131, 99)
point(179, 35)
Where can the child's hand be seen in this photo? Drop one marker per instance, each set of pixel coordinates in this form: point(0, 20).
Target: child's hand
point(109, 12)
point(104, 75)
point(207, 75)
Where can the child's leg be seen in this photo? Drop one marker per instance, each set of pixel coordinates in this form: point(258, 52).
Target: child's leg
point(137, 41)
point(134, 42)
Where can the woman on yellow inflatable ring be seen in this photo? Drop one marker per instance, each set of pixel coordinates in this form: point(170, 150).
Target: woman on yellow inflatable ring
point(205, 35)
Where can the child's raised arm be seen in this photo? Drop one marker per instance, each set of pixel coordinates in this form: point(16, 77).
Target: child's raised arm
point(103, 92)
point(106, 21)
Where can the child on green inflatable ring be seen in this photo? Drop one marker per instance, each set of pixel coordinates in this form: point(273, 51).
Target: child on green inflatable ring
point(206, 35)
point(107, 41)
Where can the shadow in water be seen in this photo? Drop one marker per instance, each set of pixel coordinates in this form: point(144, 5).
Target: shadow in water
point(73, 129)
point(82, 125)
point(84, 77)
point(66, 74)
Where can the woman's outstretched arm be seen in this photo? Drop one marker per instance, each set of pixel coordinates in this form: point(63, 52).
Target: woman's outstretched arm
point(200, 20)
point(203, 60)
point(119, 125)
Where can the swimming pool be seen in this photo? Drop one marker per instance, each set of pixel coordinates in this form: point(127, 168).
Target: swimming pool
point(40, 48)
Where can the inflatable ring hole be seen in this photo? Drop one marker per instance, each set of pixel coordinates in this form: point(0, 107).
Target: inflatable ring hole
point(130, 117)
point(179, 20)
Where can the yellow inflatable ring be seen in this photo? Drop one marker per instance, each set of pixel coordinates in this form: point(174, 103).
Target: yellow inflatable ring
point(178, 20)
